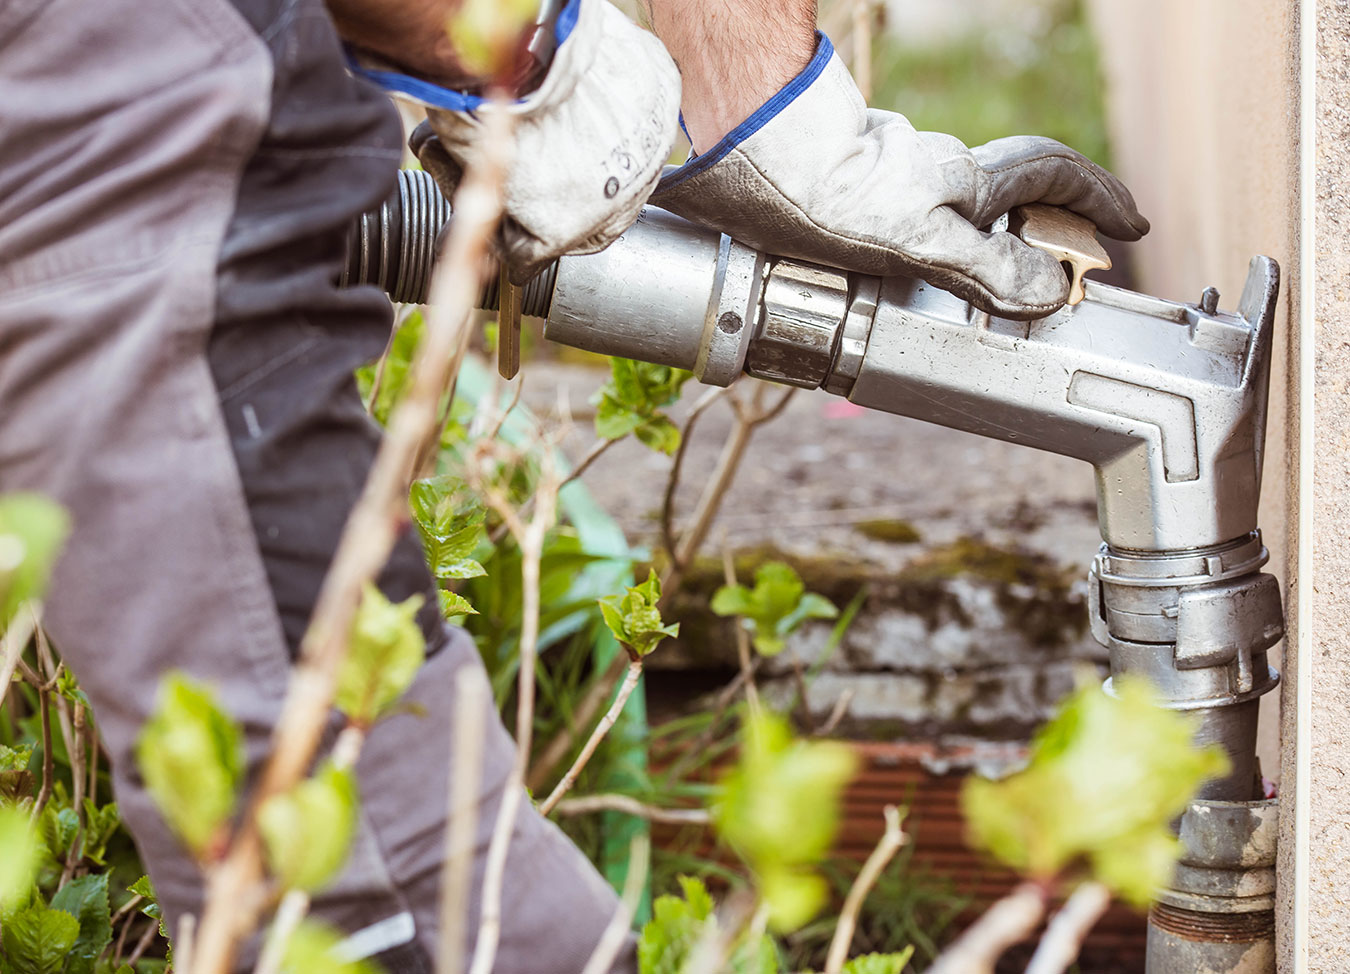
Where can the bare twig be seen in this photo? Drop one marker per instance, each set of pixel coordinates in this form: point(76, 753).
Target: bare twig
point(748, 417)
point(367, 539)
point(836, 714)
point(294, 905)
point(142, 945)
point(91, 747)
point(742, 638)
point(559, 747)
point(530, 538)
point(589, 804)
point(611, 940)
point(593, 454)
point(725, 696)
point(75, 855)
point(185, 945)
point(516, 391)
point(51, 672)
point(15, 639)
point(127, 916)
point(461, 824)
point(1009, 921)
point(48, 759)
point(630, 682)
point(347, 748)
point(673, 479)
point(1068, 928)
point(891, 841)
point(862, 46)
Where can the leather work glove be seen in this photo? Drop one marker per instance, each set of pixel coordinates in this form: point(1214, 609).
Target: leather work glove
point(590, 141)
point(816, 175)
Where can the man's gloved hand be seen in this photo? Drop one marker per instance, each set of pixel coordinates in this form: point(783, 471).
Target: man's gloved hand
point(814, 174)
point(590, 141)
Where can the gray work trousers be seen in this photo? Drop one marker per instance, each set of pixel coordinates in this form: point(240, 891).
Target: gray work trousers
point(175, 368)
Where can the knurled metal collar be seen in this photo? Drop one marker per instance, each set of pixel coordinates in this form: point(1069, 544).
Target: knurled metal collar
point(804, 310)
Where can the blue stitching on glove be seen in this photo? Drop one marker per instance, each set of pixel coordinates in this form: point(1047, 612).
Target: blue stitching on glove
point(451, 99)
point(567, 19)
point(761, 117)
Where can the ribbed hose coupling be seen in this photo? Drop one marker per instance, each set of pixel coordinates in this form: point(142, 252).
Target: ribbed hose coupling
point(395, 246)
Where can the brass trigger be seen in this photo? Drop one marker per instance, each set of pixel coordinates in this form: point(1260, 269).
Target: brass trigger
point(1065, 236)
point(508, 326)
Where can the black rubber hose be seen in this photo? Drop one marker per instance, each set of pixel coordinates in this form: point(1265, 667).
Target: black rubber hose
point(394, 247)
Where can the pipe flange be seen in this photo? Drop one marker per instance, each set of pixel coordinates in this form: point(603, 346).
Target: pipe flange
point(804, 310)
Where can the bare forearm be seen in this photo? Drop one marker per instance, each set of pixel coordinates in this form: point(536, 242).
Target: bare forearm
point(733, 55)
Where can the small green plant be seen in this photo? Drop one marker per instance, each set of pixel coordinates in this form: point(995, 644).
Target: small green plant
point(632, 402)
point(387, 649)
point(32, 530)
point(191, 754)
point(309, 830)
point(779, 809)
point(450, 522)
point(775, 608)
point(1107, 776)
point(680, 925)
point(635, 619)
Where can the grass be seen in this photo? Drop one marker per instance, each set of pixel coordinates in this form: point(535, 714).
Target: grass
point(995, 82)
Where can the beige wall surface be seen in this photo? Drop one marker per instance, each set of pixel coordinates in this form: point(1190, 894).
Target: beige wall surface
point(1204, 103)
point(1327, 641)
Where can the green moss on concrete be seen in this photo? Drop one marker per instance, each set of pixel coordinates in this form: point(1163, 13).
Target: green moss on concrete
point(1034, 592)
point(892, 530)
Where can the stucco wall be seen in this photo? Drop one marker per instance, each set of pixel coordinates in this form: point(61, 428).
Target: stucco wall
point(1203, 97)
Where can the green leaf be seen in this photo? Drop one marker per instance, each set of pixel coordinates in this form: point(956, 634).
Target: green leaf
point(635, 619)
point(70, 689)
point(449, 521)
point(676, 926)
point(15, 758)
point(313, 949)
point(86, 899)
point(453, 604)
point(1106, 777)
point(32, 530)
point(632, 400)
point(60, 826)
point(387, 649)
point(659, 434)
point(308, 831)
point(779, 809)
point(19, 855)
point(879, 963)
point(151, 908)
point(100, 824)
point(16, 783)
point(191, 754)
point(36, 940)
point(775, 608)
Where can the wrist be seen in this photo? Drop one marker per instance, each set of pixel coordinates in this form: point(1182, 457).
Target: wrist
point(730, 66)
